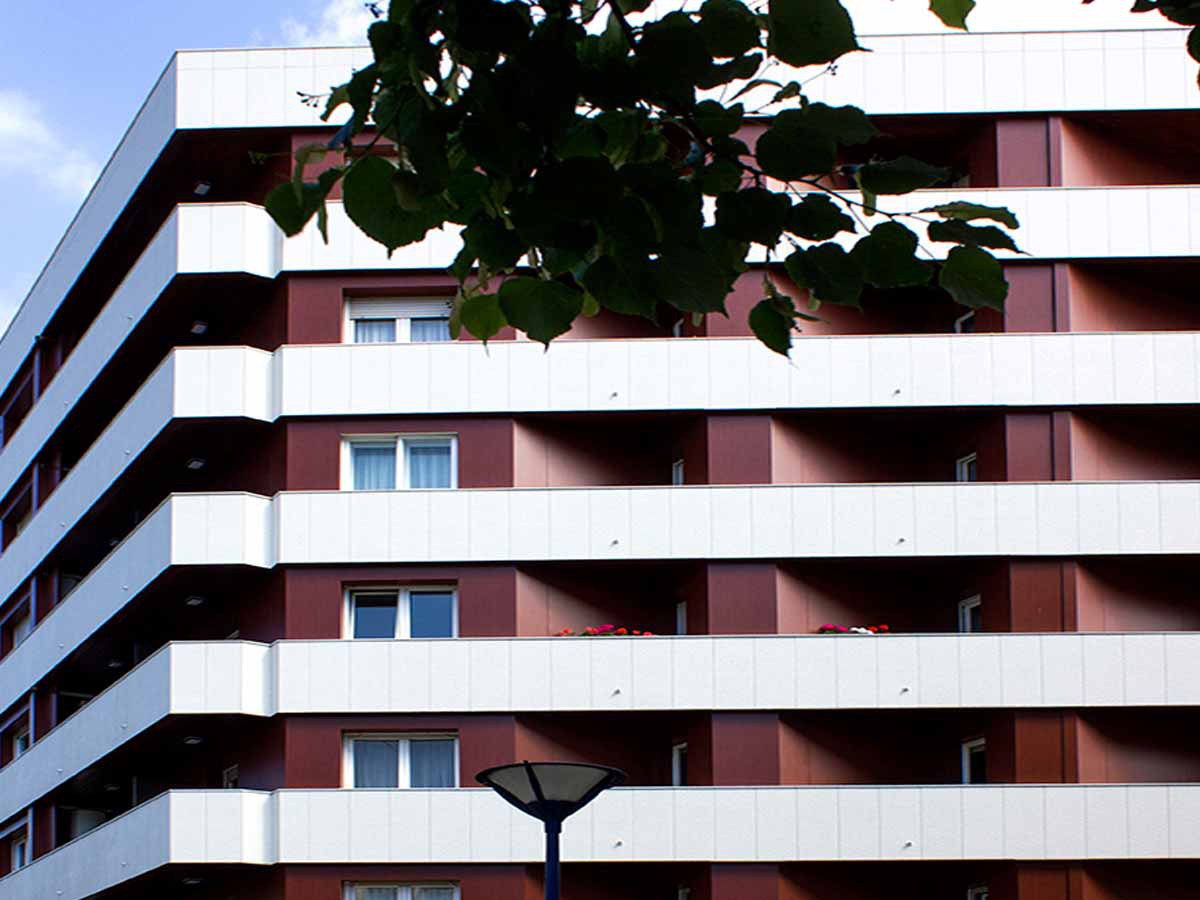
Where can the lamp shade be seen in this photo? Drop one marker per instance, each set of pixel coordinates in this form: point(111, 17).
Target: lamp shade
point(550, 791)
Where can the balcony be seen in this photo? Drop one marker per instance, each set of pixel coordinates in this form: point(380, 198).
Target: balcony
point(763, 825)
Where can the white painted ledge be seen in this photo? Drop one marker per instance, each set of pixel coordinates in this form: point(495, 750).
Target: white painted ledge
point(611, 675)
point(883, 372)
point(579, 524)
point(770, 824)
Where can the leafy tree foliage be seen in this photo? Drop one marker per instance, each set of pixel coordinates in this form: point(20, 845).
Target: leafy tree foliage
point(598, 156)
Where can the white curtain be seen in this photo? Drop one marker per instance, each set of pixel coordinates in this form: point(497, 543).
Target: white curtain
point(374, 467)
point(429, 466)
point(431, 764)
point(374, 331)
point(425, 331)
point(376, 764)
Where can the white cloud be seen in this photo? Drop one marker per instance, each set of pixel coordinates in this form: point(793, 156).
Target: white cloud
point(30, 147)
point(340, 23)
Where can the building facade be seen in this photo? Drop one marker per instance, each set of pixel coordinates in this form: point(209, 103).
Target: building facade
point(283, 566)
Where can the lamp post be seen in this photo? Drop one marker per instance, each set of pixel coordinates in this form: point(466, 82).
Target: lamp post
point(550, 791)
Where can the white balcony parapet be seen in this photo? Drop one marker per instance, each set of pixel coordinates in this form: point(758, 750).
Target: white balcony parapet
point(1060, 223)
point(582, 524)
point(949, 73)
point(878, 372)
point(696, 824)
point(810, 672)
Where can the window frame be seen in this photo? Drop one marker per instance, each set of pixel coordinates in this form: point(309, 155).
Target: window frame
point(678, 473)
point(404, 594)
point(404, 890)
point(393, 308)
point(679, 753)
point(966, 749)
point(25, 732)
point(402, 758)
point(231, 778)
point(961, 322)
point(16, 843)
point(962, 467)
point(978, 892)
point(975, 601)
point(401, 444)
point(681, 617)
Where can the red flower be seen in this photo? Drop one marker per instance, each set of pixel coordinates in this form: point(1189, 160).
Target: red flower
point(622, 631)
point(647, 634)
point(884, 628)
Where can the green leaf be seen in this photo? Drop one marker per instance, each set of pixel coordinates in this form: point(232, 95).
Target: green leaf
point(729, 28)
point(817, 218)
point(789, 149)
point(888, 257)
point(292, 211)
point(373, 205)
point(900, 176)
point(974, 278)
point(810, 32)
point(956, 232)
point(716, 120)
point(848, 125)
point(492, 243)
point(1193, 44)
point(481, 316)
point(952, 12)
point(719, 176)
point(541, 309)
point(771, 326)
point(622, 285)
point(829, 272)
point(753, 214)
point(969, 211)
point(697, 276)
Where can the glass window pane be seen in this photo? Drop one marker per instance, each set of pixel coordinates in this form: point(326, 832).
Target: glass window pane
point(429, 465)
point(376, 764)
point(375, 893)
point(434, 893)
point(427, 330)
point(375, 615)
point(431, 763)
point(431, 614)
point(374, 466)
point(374, 331)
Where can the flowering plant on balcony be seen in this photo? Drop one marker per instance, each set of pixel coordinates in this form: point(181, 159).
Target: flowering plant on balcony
point(830, 628)
point(604, 631)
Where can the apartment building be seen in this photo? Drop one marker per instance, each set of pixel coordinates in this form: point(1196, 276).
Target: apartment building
point(284, 566)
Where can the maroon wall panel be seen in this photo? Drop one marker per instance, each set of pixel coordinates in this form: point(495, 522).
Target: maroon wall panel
point(1030, 303)
point(316, 596)
point(739, 449)
point(313, 744)
point(485, 448)
point(1022, 152)
point(742, 598)
point(745, 748)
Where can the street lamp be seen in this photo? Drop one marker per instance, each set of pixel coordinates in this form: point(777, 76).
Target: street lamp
point(550, 791)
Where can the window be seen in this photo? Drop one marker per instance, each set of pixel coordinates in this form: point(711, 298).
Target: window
point(677, 472)
point(679, 754)
point(970, 615)
point(677, 328)
point(965, 324)
point(977, 893)
point(231, 778)
point(683, 893)
point(681, 617)
point(376, 321)
point(386, 463)
point(392, 761)
point(67, 583)
point(22, 627)
point(974, 761)
point(20, 741)
point(401, 892)
point(20, 853)
point(403, 613)
point(966, 468)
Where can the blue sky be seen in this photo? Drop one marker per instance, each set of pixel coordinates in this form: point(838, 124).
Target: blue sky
point(73, 74)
